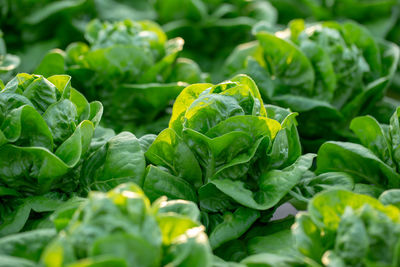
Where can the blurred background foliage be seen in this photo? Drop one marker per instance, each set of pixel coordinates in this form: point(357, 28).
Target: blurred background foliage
point(210, 28)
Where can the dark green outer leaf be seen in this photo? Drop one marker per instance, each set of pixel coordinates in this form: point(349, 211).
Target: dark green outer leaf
point(278, 243)
point(14, 222)
point(9, 261)
point(305, 104)
point(35, 167)
point(390, 197)
point(394, 131)
point(159, 183)
point(233, 226)
point(214, 200)
point(28, 245)
point(146, 141)
point(368, 189)
point(119, 160)
point(273, 185)
point(357, 161)
point(52, 63)
point(372, 136)
point(147, 99)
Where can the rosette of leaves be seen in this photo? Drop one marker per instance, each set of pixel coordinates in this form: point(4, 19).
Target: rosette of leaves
point(122, 228)
point(328, 72)
point(113, 160)
point(131, 67)
point(8, 62)
point(222, 151)
point(46, 129)
point(370, 165)
point(381, 17)
point(372, 162)
point(56, 23)
point(204, 23)
point(340, 228)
